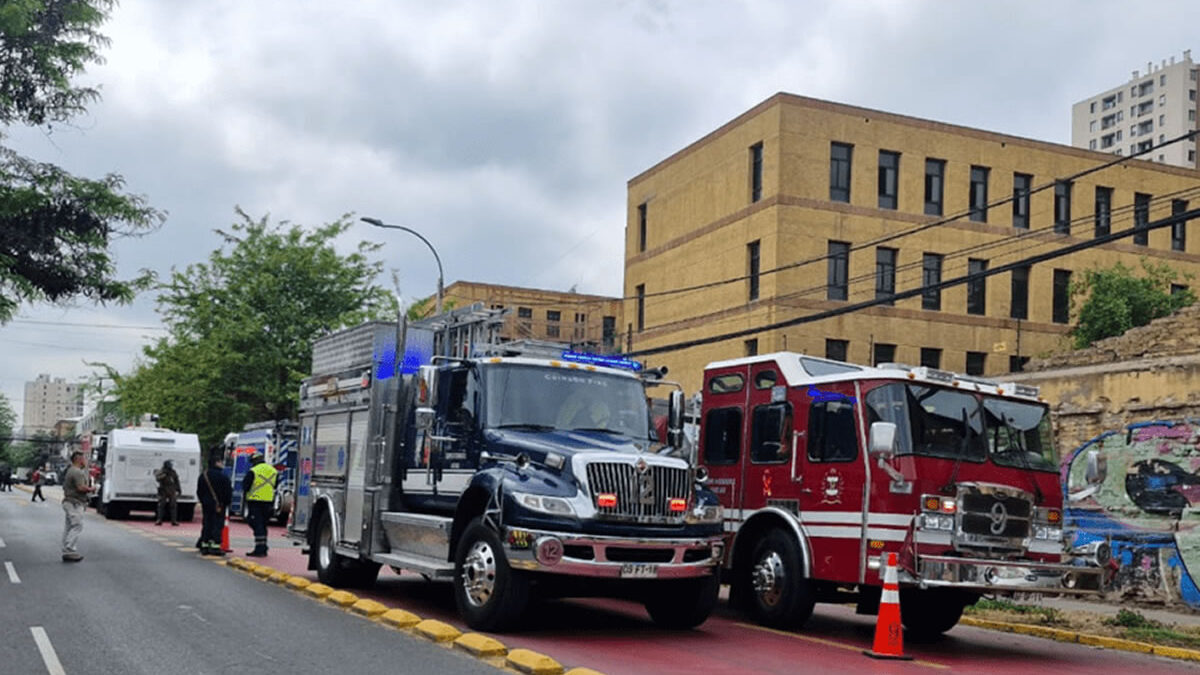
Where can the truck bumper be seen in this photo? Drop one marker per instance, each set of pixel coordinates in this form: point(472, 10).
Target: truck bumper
point(1001, 576)
point(611, 557)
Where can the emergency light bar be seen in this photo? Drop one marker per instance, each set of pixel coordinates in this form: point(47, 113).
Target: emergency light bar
point(601, 360)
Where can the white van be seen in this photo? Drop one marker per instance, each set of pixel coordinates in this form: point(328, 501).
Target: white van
point(129, 458)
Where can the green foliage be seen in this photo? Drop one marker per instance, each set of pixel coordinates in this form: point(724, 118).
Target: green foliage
point(58, 227)
point(241, 326)
point(8, 423)
point(1129, 618)
point(1040, 615)
point(1112, 300)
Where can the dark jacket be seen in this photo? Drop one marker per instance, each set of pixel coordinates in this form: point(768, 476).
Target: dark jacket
point(220, 484)
point(168, 482)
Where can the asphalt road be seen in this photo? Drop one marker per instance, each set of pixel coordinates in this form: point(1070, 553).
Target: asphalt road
point(150, 604)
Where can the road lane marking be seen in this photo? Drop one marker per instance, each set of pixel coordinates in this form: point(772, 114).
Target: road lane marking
point(1, 543)
point(832, 643)
point(53, 666)
point(12, 572)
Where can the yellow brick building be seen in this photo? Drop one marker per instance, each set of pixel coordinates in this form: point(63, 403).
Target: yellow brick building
point(587, 322)
point(793, 198)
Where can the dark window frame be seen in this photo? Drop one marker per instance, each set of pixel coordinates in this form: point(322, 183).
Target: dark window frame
point(642, 227)
point(935, 186)
point(931, 274)
point(837, 350)
point(764, 431)
point(1061, 306)
point(1179, 230)
point(820, 421)
point(975, 363)
point(1062, 206)
point(756, 172)
point(931, 357)
point(728, 421)
point(976, 288)
point(837, 273)
point(840, 171)
point(879, 350)
point(886, 260)
point(1019, 293)
point(753, 269)
point(641, 307)
point(1141, 218)
point(1022, 187)
point(1103, 211)
point(889, 180)
point(977, 197)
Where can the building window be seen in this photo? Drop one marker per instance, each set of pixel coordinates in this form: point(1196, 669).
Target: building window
point(838, 276)
point(641, 227)
point(976, 287)
point(883, 353)
point(976, 363)
point(931, 357)
point(1092, 107)
point(1162, 121)
point(552, 319)
point(525, 321)
point(1019, 301)
point(931, 276)
point(1022, 184)
point(1141, 218)
point(756, 159)
point(1103, 210)
point(836, 350)
point(979, 193)
point(1062, 207)
point(935, 183)
point(1179, 230)
point(641, 307)
point(1191, 94)
point(751, 347)
point(608, 332)
point(885, 273)
point(1061, 312)
point(580, 326)
point(839, 171)
point(889, 175)
point(1016, 364)
point(752, 265)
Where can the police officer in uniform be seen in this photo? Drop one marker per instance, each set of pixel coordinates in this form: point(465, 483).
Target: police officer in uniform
point(259, 490)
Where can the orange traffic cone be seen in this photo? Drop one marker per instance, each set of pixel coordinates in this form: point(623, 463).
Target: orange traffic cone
point(889, 634)
point(225, 547)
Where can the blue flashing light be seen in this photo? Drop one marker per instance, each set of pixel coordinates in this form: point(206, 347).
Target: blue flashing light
point(601, 360)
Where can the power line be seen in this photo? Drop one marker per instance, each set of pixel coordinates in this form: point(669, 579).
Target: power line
point(847, 309)
point(86, 325)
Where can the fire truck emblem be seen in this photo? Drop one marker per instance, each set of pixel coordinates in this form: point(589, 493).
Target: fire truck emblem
point(645, 483)
point(766, 484)
point(831, 490)
point(999, 516)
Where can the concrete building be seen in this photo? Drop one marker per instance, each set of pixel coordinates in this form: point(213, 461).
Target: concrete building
point(798, 206)
point(588, 322)
point(47, 401)
point(1155, 105)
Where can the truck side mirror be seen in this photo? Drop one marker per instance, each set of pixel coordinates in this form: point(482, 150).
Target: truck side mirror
point(1097, 468)
point(883, 440)
point(675, 419)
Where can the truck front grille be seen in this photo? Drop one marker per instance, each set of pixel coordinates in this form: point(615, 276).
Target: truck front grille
point(993, 516)
point(641, 495)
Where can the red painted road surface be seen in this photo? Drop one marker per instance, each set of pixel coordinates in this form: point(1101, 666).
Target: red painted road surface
point(616, 637)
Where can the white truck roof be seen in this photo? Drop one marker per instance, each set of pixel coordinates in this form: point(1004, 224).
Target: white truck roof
point(154, 439)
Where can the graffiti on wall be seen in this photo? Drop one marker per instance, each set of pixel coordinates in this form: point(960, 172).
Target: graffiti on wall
point(1138, 491)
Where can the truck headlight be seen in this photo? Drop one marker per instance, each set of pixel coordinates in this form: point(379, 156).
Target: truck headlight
point(556, 506)
point(933, 521)
point(1047, 533)
point(705, 513)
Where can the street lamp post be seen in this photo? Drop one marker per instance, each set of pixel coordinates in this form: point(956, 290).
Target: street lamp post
point(379, 223)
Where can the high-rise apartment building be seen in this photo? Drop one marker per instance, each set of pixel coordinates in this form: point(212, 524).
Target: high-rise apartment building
point(47, 401)
point(1156, 105)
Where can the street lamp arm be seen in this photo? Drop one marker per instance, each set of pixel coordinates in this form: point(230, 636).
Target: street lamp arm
point(440, 290)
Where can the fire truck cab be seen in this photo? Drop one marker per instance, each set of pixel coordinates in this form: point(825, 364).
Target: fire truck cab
point(825, 467)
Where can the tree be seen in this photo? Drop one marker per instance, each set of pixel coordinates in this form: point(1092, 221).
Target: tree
point(8, 423)
point(57, 228)
point(241, 326)
point(1113, 299)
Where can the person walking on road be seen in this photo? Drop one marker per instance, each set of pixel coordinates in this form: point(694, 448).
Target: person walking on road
point(168, 493)
point(259, 489)
point(75, 496)
point(5, 477)
point(214, 491)
point(39, 479)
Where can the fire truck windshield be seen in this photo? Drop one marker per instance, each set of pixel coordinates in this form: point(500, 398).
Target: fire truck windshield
point(556, 398)
point(1019, 435)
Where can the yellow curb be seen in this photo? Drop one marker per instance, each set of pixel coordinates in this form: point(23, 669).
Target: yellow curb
point(236, 563)
point(583, 671)
point(480, 645)
point(1102, 641)
point(279, 577)
point(341, 598)
point(249, 567)
point(369, 608)
point(298, 583)
point(533, 663)
point(399, 618)
point(263, 571)
point(437, 631)
point(318, 590)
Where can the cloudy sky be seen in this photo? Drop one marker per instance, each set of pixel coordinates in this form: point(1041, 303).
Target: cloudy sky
point(506, 131)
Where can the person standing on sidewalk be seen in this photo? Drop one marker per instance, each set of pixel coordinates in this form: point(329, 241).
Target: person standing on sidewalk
point(259, 489)
point(168, 492)
point(214, 491)
point(75, 495)
point(39, 479)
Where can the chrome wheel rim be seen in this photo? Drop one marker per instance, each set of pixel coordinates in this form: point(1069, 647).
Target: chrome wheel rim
point(479, 573)
point(325, 548)
point(768, 579)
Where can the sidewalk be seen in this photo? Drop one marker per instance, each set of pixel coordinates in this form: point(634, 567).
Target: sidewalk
point(1179, 615)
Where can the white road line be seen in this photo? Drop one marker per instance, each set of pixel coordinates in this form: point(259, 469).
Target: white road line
point(1, 543)
point(12, 572)
point(48, 656)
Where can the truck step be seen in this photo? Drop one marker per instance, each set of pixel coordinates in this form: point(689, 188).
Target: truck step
point(434, 568)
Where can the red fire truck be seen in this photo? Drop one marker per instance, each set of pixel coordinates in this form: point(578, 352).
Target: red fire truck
point(824, 467)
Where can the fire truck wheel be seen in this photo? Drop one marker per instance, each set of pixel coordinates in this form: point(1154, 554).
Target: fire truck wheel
point(926, 614)
point(331, 567)
point(683, 604)
point(490, 595)
point(780, 596)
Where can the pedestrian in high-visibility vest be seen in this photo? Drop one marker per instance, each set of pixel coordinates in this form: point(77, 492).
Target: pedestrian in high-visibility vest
point(259, 489)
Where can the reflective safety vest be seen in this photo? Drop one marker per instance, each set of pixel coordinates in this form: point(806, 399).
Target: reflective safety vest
point(262, 487)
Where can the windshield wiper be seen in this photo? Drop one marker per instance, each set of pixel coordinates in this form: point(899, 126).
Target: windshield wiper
point(951, 484)
point(604, 430)
point(527, 425)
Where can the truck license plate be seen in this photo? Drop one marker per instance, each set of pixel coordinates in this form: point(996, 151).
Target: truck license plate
point(639, 571)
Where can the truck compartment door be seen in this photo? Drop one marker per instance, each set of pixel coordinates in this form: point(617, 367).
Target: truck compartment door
point(721, 431)
point(355, 478)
